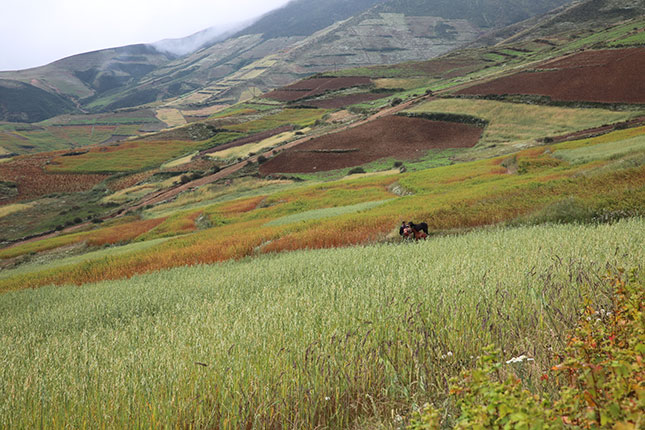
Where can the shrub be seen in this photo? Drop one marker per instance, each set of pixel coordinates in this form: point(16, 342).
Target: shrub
point(261, 159)
point(356, 170)
point(396, 101)
point(600, 382)
point(398, 163)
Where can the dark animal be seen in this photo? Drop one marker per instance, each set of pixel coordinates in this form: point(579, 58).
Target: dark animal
point(422, 226)
point(418, 231)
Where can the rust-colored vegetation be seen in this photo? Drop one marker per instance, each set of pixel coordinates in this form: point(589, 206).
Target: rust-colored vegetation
point(33, 181)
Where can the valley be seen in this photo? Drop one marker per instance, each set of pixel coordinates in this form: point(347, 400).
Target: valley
point(214, 242)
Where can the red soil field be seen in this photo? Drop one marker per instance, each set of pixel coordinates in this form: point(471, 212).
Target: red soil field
point(607, 76)
point(28, 172)
point(393, 136)
point(315, 86)
point(340, 102)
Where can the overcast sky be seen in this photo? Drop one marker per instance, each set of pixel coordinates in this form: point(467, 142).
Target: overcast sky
point(37, 32)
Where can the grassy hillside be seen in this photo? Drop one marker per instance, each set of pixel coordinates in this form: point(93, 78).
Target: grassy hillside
point(21, 102)
point(185, 281)
point(337, 338)
point(589, 180)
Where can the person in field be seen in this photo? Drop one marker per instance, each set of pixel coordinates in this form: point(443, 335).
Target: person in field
point(404, 230)
point(417, 231)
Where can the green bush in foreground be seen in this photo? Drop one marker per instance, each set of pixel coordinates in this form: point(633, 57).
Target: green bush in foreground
point(600, 382)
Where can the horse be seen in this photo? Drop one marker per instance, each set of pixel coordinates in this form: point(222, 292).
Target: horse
point(419, 231)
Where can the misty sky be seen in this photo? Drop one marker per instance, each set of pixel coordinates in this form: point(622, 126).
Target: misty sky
point(37, 32)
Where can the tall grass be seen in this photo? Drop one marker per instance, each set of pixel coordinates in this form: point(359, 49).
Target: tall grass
point(317, 339)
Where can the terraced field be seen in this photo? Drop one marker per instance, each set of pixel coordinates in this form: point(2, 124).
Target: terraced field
point(606, 76)
point(516, 123)
point(230, 280)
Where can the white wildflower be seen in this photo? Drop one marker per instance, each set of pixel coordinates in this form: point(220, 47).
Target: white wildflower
point(519, 359)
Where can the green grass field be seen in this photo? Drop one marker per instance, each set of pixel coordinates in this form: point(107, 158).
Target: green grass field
point(602, 151)
point(297, 117)
point(319, 338)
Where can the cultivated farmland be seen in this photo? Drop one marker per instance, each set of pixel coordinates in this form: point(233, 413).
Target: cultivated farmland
point(394, 136)
point(332, 338)
point(513, 123)
point(314, 87)
point(610, 76)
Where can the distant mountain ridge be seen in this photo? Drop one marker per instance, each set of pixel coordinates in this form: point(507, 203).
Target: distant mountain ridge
point(295, 41)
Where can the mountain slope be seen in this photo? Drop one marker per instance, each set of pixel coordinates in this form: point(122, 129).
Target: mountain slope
point(21, 102)
point(83, 77)
point(295, 41)
point(388, 33)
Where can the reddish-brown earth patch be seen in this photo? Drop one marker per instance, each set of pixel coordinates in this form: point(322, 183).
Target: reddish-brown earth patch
point(28, 172)
point(393, 136)
point(314, 87)
point(340, 102)
point(607, 76)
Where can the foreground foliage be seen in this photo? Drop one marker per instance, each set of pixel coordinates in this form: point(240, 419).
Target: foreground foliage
point(599, 383)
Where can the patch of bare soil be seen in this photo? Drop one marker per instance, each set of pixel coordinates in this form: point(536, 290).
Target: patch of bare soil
point(393, 136)
point(607, 76)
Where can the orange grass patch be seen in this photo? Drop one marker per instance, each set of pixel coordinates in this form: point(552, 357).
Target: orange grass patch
point(119, 233)
point(334, 234)
point(225, 243)
point(241, 206)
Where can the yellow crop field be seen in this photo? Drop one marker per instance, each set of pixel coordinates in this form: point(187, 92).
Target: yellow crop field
point(172, 117)
point(179, 161)
point(514, 123)
point(129, 193)
point(17, 207)
point(245, 150)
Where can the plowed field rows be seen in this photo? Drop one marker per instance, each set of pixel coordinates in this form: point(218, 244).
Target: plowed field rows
point(608, 76)
point(394, 136)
